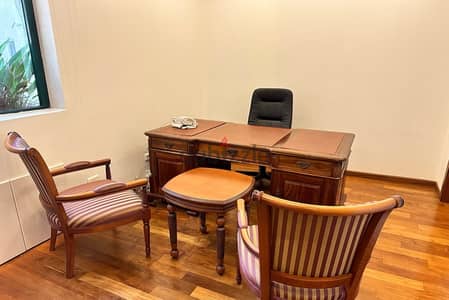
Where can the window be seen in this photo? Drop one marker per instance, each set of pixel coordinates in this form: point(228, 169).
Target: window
point(22, 78)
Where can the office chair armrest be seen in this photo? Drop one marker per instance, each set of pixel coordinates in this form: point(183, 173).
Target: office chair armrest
point(82, 165)
point(242, 217)
point(105, 189)
point(247, 241)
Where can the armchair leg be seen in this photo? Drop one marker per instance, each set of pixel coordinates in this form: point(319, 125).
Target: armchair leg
point(53, 234)
point(238, 275)
point(70, 254)
point(146, 232)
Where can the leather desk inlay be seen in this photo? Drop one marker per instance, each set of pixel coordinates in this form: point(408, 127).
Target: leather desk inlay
point(307, 165)
point(308, 140)
point(244, 135)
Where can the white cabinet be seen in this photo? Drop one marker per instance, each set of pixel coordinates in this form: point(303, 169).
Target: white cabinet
point(31, 214)
point(11, 238)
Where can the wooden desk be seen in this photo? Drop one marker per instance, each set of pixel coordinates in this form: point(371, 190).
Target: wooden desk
point(307, 165)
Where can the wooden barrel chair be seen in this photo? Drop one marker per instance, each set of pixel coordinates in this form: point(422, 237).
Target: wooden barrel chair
point(90, 207)
point(305, 251)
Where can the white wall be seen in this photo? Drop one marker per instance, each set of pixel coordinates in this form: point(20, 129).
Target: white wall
point(125, 67)
point(378, 69)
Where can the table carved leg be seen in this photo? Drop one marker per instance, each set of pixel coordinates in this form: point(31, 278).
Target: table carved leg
point(203, 227)
point(173, 230)
point(220, 244)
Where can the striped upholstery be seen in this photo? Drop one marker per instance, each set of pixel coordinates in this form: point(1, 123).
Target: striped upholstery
point(283, 291)
point(306, 245)
point(98, 210)
point(37, 168)
point(315, 246)
point(250, 268)
point(249, 263)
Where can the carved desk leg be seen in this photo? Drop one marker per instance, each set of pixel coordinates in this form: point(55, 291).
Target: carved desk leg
point(173, 230)
point(203, 227)
point(220, 244)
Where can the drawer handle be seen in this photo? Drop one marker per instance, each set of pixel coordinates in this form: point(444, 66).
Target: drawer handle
point(303, 164)
point(232, 152)
point(168, 145)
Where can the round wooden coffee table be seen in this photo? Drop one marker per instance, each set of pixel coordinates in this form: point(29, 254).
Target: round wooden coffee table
point(205, 190)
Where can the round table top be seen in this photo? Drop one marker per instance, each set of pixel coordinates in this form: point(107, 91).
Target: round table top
point(207, 185)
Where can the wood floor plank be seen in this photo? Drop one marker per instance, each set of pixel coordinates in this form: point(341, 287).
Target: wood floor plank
point(166, 293)
point(234, 291)
point(398, 280)
point(205, 294)
point(116, 287)
point(196, 240)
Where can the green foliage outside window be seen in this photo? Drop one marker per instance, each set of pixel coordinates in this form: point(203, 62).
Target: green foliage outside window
point(17, 83)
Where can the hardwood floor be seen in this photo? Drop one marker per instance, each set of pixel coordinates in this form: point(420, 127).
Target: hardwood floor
point(410, 260)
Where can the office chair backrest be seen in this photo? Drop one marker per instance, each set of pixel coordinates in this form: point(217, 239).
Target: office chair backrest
point(271, 107)
point(38, 170)
point(322, 250)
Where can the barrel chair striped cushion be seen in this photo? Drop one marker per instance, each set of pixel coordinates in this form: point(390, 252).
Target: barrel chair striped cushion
point(304, 245)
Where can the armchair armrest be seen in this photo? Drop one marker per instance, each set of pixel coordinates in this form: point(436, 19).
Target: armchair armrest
point(242, 217)
point(81, 165)
point(248, 242)
point(105, 189)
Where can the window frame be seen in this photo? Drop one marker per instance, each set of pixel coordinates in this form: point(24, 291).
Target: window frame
point(36, 58)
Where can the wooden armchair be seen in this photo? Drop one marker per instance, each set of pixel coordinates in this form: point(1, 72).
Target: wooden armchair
point(304, 251)
point(90, 207)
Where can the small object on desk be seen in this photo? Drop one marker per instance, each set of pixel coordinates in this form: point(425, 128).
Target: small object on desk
point(184, 122)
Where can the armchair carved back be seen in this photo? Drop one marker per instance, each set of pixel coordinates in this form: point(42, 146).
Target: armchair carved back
point(38, 170)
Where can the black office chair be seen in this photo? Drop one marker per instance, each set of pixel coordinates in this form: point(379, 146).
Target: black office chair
point(271, 107)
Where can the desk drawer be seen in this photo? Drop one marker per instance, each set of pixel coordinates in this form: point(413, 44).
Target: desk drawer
point(170, 144)
point(306, 166)
point(242, 154)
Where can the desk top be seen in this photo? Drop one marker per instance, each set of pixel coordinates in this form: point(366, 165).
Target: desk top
point(245, 135)
point(305, 142)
